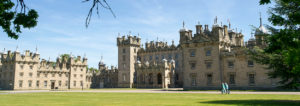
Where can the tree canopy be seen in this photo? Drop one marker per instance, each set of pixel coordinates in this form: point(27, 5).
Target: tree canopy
point(282, 54)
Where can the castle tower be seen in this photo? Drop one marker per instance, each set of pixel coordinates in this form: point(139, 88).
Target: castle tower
point(127, 56)
point(185, 34)
point(260, 34)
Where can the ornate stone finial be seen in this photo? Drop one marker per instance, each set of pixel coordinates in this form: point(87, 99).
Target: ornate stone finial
point(36, 50)
point(260, 20)
point(157, 39)
point(198, 22)
point(229, 23)
point(17, 48)
point(221, 24)
point(4, 50)
point(119, 35)
point(216, 20)
point(84, 55)
point(49, 58)
point(172, 42)
point(183, 25)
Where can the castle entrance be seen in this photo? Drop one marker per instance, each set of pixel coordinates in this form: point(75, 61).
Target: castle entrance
point(52, 84)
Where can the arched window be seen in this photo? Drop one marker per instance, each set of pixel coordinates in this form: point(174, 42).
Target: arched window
point(159, 78)
point(150, 78)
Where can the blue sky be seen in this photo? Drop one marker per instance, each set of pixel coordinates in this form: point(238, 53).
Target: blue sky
point(61, 24)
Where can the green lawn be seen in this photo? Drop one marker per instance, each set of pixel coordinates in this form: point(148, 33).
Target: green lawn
point(71, 98)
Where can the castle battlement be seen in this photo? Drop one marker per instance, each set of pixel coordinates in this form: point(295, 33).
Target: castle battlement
point(153, 46)
point(129, 40)
point(28, 56)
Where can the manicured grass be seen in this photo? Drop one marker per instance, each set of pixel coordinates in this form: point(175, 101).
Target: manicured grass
point(155, 99)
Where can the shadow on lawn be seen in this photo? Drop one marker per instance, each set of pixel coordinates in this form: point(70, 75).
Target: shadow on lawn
point(256, 102)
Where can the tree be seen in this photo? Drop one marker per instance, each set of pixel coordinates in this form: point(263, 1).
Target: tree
point(283, 51)
point(11, 20)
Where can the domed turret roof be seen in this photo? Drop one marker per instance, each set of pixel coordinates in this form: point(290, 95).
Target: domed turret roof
point(183, 29)
point(261, 29)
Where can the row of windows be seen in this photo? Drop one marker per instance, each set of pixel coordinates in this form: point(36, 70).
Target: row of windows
point(209, 64)
point(209, 79)
point(193, 53)
point(21, 74)
point(30, 83)
point(30, 67)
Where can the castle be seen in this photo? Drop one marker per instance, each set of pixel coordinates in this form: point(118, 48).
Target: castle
point(26, 71)
point(200, 61)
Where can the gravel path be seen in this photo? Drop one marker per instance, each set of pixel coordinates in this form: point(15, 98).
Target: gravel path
point(151, 91)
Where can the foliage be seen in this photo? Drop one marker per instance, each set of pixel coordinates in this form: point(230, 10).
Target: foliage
point(12, 21)
point(283, 51)
point(93, 69)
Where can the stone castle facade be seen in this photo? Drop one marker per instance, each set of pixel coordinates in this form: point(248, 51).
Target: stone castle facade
point(26, 71)
point(202, 60)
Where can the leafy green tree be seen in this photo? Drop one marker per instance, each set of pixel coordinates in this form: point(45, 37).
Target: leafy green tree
point(11, 21)
point(283, 51)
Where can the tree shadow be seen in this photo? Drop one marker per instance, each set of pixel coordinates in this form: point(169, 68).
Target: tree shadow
point(256, 102)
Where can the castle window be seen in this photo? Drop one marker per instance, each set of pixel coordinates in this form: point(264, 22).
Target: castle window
point(159, 78)
point(53, 75)
point(230, 64)
point(20, 83)
point(162, 56)
point(74, 75)
point(38, 75)
point(45, 84)
point(156, 57)
point(208, 64)
point(66, 84)
point(37, 83)
point(193, 77)
point(176, 56)
point(209, 79)
point(59, 75)
point(21, 74)
point(134, 50)
point(124, 58)
point(193, 65)
point(81, 83)
point(67, 75)
point(31, 67)
point(46, 75)
point(150, 58)
point(170, 56)
point(30, 74)
point(59, 83)
point(74, 83)
point(124, 77)
point(208, 53)
point(193, 81)
point(124, 65)
point(81, 75)
point(124, 51)
point(251, 78)
point(22, 66)
point(81, 69)
point(30, 83)
point(231, 79)
point(250, 63)
point(192, 53)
